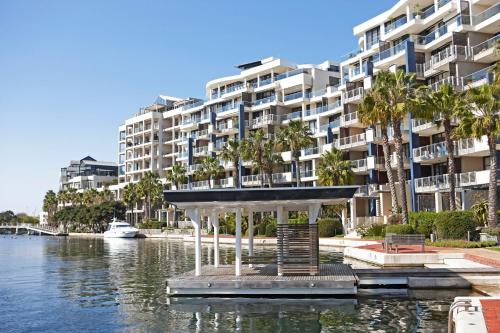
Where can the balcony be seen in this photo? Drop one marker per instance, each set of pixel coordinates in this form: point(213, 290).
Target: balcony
point(264, 101)
point(310, 151)
point(200, 151)
point(228, 128)
point(438, 62)
point(351, 119)
point(370, 190)
point(292, 97)
point(228, 109)
point(350, 142)
point(433, 153)
point(394, 161)
point(268, 119)
point(443, 30)
point(181, 155)
point(190, 169)
point(482, 20)
point(307, 174)
point(224, 183)
point(478, 78)
point(396, 24)
point(486, 52)
point(293, 115)
point(232, 89)
point(200, 185)
point(277, 178)
point(381, 59)
point(354, 96)
point(441, 182)
point(290, 74)
point(453, 81)
point(333, 125)
point(324, 109)
point(359, 166)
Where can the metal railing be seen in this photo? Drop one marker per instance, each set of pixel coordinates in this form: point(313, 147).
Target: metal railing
point(290, 73)
point(430, 152)
point(455, 82)
point(359, 165)
point(396, 24)
point(358, 139)
point(264, 120)
point(396, 49)
point(200, 150)
point(486, 14)
point(483, 74)
point(353, 94)
point(486, 45)
point(310, 151)
point(265, 100)
point(350, 118)
point(450, 53)
point(293, 115)
point(293, 96)
point(324, 108)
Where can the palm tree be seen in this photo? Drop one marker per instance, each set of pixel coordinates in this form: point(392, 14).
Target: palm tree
point(90, 197)
point(105, 195)
point(232, 152)
point(373, 111)
point(481, 117)
point(177, 175)
point(130, 197)
point(62, 197)
point(295, 137)
point(71, 195)
point(271, 157)
point(50, 204)
point(252, 149)
point(149, 187)
point(447, 104)
point(210, 169)
point(397, 89)
point(333, 170)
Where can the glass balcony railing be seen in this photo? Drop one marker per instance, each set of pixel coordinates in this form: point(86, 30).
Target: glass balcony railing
point(428, 12)
point(265, 100)
point(228, 107)
point(265, 82)
point(324, 108)
point(441, 3)
point(486, 45)
point(310, 151)
point(396, 24)
point(485, 74)
point(293, 115)
point(291, 97)
point(290, 73)
point(398, 48)
point(233, 88)
point(359, 164)
point(488, 13)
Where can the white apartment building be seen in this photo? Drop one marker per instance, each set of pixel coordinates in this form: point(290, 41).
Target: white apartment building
point(87, 173)
point(445, 41)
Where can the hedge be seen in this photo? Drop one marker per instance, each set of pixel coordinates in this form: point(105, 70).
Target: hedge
point(460, 243)
point(423, 222)
point(492, 231)
point(329, 227)
point(454, 225)
point(400, 229)
point(375, 230)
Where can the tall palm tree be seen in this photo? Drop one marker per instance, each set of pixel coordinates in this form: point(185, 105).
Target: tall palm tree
point(90, 197)
point(295, 137)
point(177, 175)
point(482, 117)
point(62, 197)
point(333, 170)
point(373, 111)
point(105, 195)
point(50, 204)
point(271, 157)
point(71, 195)
point(232, 152)
point(443, 106)
point(130, 197)
point(210, 169)
point(252, 149)
point(398, 90)
point(149, 186)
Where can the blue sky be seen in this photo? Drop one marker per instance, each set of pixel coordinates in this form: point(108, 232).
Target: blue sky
point(72, 71)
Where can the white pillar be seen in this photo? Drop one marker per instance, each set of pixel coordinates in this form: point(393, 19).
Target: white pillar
point(194, 215)
point(250, 233)
point(238, 242)
point(438, 198)
point(279, 214)
point(214, 219)
point(313, 211)
point(353, 213)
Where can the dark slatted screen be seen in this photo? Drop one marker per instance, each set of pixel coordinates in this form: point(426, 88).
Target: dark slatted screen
point(298, 249)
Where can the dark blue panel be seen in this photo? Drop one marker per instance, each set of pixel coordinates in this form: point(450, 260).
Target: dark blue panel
point(415, 169)
point(190, 151)
point(241, 122)
point(410, 62)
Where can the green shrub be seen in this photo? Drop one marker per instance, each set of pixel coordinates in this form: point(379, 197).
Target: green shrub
point(400, 229)
point(152, 224)
point(492, 231)
point(423, 222)
point(460, 243)
point(297, 221)
point(454, 225)
point(395, 219)
point(329, 227)
point(375, 230)
point(271, 229)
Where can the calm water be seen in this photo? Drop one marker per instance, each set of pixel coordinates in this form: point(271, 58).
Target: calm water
point(96, 285)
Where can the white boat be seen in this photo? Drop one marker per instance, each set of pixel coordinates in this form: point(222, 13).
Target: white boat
point(120, 229)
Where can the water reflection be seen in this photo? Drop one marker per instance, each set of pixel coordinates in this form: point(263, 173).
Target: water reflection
point(118, 285)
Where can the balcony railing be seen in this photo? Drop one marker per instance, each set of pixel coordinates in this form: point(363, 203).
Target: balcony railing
point(324, 108)
point(318, 93)
point(396, 49)
point(396, 24)
point(290, 73)
point(350, 118)
point(234, 88)
point(451, 53)
point(359, 165)
point(441, 182)
point(351, 141)
point(224, 127)
point(486, 45)
point(488, 13)
point(484, 74)
point(428, 12)
point(283, 177)
point(310, 151)
point(265, 82)
point(394, 160)
point(293, 115)
point(181, 154)
point(264, 120)
point(354, 94)
point(200, 150)
point(430, 152)
point(228, 107)
point(293, 96)
point(333, 124)
point(265, 100)
point(453, 81)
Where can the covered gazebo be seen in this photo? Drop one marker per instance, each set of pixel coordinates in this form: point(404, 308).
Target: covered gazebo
point(297, 245)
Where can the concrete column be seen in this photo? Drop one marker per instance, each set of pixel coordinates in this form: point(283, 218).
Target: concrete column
point(238, 242)
point(194, 215)
point(214, 219)
point(313, 213)
point(250, 234)
point(279, 214)
point(353, 213)
point(438, 197)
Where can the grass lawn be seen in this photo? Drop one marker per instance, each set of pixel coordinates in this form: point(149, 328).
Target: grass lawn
point(494, 249)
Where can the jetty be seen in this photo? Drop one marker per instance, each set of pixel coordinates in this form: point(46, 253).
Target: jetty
point(36, 228)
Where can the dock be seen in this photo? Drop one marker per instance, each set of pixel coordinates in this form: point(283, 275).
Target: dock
point(36, 228)
point(333, 279)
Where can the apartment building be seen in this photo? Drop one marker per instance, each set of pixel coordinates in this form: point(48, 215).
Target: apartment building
point(87, 173)
point(445, 41)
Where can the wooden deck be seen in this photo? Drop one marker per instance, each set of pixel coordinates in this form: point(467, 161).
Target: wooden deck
point(333, 279)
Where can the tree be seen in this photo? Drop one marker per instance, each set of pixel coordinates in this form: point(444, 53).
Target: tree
point(232, 152)
point(397, 89)
point(374, 111)
point(90, 197)
point(130, 197)
point(177, 175)
point(7, 217)
point(443, 106)
point(271, 157)
point(210, 169)
point(333, 170)
point(149, 188)
point(480, 118)
point(71, 195)
point(295, 137)
point(253, 150)
point(105, 195)
point(50, 205)
point(62, 197)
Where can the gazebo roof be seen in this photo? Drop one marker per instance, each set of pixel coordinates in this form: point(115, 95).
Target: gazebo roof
point(262, 199)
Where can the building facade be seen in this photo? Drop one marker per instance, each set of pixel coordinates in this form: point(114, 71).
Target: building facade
point(88, 173)
point(442, 41)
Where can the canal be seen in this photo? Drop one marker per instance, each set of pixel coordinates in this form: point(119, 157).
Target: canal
point(51, 284)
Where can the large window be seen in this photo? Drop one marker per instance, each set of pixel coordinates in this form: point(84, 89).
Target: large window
point(372, 37)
